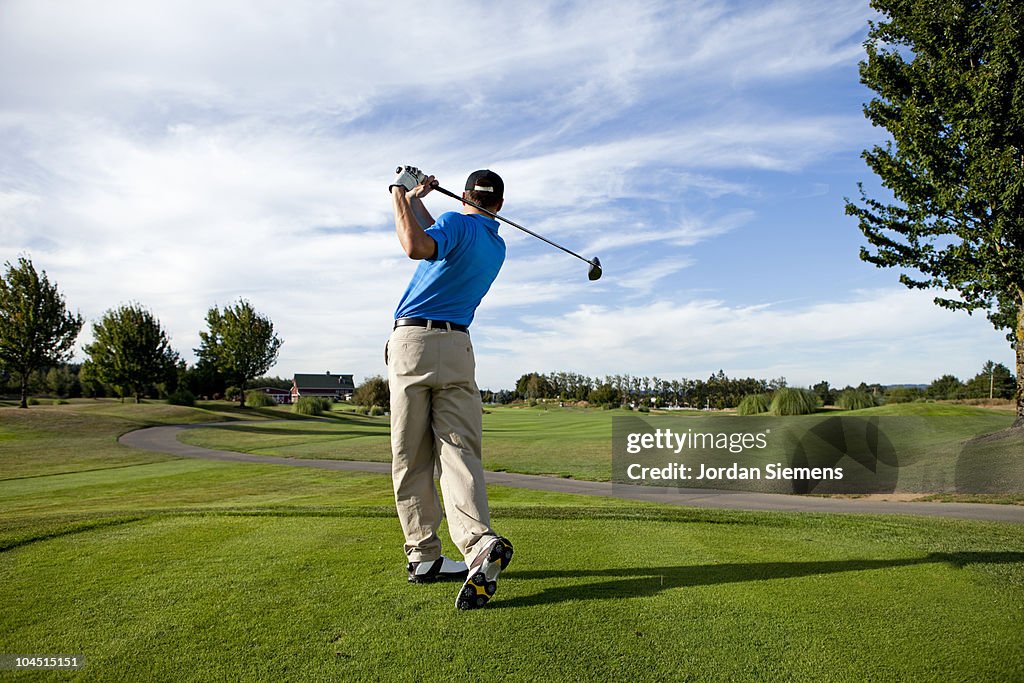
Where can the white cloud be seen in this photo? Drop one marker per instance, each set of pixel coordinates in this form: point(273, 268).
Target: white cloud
point(888, 335)
point(187, 154)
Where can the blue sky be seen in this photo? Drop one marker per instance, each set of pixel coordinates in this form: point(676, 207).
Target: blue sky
point(182, 155)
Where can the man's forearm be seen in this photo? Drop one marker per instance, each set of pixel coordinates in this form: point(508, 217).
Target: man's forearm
point(420, 212)
point(411, 219)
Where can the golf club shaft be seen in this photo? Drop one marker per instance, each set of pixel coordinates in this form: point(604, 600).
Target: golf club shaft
point(501, 218)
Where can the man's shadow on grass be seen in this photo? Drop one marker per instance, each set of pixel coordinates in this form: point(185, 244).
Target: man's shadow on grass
point(632, 582)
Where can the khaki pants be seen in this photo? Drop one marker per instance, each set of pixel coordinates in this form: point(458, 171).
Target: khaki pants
point(436, 424)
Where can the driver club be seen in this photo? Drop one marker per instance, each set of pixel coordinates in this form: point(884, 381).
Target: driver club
point(595, 263)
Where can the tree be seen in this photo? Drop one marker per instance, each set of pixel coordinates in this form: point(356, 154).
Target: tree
point(902, 394)
point(92, 385)
point(605, 394)
point(130, 351)
point(534, 385)
point(373, 392)
point(945, 387)
point(994, 381)
point(61, 382)
point(950, 90)
point(240, 343)
point(36, 329)
point(825, 392)
point(204, 379)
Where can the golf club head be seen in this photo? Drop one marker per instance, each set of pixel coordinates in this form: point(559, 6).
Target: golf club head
point(595, 269)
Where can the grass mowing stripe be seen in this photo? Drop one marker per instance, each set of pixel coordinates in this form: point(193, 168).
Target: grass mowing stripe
point(80, 471)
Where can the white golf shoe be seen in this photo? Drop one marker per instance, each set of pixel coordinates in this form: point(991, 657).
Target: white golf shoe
point(441, 569)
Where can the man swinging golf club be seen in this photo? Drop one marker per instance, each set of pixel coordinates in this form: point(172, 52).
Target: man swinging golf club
point(435, 403)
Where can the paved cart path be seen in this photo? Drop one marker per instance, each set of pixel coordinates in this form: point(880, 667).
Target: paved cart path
point(164, 439)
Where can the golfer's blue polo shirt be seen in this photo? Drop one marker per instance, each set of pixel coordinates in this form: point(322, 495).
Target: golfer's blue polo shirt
point(450, 287)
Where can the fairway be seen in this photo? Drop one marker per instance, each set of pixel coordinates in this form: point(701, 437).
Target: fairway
point(161, 568)
point(566, 442)
point(570, 442)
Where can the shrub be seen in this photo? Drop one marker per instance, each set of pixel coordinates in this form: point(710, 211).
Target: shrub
point(373, 392)
point(855, 400)
point(754, 404)
point(232, 393)
point(308, 405)
point(254, 398)
point(903, 394)
point(182, 397)
point(362, 410)
point(33, 401)
point(790, 401)
point(376, 411)
point(59, 402)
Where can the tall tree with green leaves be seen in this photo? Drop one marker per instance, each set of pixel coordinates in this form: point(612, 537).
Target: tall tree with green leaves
point(950, 90)
point(131, 351)
point(36, 329)
point(239, 342)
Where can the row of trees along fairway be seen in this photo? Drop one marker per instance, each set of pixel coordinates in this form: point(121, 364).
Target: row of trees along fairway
point(130, 349)
point(950, 90)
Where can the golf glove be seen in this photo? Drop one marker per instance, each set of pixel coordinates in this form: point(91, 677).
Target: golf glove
point(408, 177)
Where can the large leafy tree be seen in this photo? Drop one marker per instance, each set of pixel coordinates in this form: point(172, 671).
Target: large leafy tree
point(239, 342)
point(36, 329)
point(131, 351)
point(950, 90)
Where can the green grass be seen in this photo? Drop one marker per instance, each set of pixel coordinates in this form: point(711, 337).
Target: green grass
point(555, 442)
point(191, 570)
point(577, 443)
point(47, 440)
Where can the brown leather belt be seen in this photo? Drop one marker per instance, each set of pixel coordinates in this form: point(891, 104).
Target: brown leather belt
point(431, 324)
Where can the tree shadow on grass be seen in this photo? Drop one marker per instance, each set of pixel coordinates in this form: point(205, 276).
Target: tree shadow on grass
point(632, 582)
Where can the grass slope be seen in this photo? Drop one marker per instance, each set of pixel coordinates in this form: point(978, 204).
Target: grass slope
point(188, 570)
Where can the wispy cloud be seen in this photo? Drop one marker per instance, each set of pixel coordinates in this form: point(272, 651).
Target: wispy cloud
point(189, 153)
